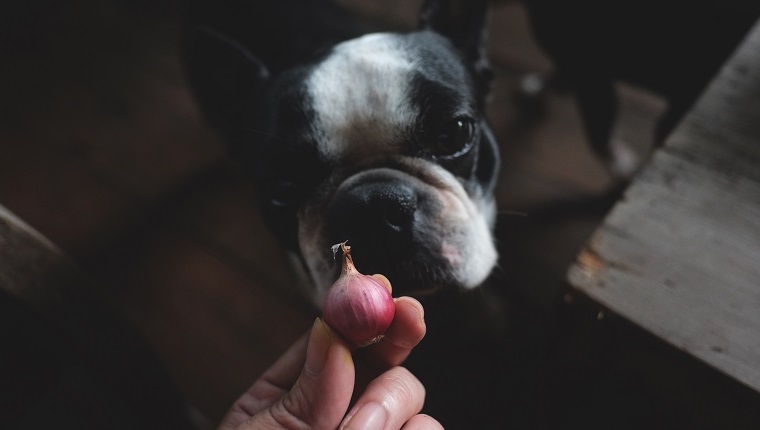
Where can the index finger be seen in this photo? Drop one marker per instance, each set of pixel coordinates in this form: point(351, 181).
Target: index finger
point(405, 332)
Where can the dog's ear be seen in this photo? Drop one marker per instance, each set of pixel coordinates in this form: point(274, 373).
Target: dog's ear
point(464, 23)
point(222, 73)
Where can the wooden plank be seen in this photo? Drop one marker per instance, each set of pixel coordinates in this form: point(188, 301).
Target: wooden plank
point(680, 254)
point(33, 268)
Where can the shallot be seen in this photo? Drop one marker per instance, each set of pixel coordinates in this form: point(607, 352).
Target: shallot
point(359, 307)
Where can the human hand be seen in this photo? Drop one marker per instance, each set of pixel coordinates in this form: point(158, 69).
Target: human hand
point(312, 385)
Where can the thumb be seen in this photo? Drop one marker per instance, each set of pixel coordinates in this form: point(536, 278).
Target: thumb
point(322, 393)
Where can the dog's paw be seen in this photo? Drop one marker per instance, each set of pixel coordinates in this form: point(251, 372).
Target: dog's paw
point(623, 162)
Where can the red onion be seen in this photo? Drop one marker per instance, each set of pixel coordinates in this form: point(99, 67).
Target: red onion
point(359, 307)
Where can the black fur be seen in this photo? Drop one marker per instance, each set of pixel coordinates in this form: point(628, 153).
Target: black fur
point(267, 117)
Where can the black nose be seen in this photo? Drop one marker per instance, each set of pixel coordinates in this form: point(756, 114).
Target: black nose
point(376, 211)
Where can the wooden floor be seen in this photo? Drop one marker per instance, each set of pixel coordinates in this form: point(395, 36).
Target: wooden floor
point(104, 151)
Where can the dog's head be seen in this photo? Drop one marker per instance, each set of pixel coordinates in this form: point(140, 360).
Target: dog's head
point(378, 140)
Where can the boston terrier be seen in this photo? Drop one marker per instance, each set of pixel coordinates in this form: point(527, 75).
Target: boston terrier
point(379, 140)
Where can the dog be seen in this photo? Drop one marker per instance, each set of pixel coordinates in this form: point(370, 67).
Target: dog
point(377, 139)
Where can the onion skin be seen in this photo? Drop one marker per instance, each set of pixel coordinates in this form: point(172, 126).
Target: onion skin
point(359, 307)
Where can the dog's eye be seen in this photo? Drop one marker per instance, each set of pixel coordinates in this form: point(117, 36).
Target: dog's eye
point(455, 137)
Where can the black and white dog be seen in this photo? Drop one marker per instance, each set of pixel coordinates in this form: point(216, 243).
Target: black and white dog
point(379, 140)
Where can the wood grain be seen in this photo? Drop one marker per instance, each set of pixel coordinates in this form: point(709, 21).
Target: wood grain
point(680, 254)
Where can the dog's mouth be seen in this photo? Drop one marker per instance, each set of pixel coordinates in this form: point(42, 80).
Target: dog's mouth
point(401, 226)
point(406, 271)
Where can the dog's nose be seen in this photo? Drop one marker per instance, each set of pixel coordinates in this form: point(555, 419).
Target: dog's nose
point(374, 211)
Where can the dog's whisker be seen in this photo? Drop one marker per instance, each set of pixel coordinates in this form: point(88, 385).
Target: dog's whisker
point(499, 269)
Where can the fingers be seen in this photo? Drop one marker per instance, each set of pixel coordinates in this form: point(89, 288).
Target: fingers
point(389, 401)
point(277, 380)
point(312, 385)
point(405, 332)
point(270, 387)
point(318, 399)
point(422, 422)
point(323, 391)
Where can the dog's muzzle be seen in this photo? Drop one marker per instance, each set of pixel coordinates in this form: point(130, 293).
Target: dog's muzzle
point(375, 213)
point(389, 219)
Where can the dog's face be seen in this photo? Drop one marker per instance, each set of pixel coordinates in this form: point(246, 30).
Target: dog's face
point(379, 141)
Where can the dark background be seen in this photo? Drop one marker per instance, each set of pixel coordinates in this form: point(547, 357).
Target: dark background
point(103, 150)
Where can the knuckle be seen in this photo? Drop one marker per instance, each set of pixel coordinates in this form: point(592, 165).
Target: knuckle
point(292, 411)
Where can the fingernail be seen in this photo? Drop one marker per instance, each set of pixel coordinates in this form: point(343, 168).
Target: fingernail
point(371, 416)
point(320, 340)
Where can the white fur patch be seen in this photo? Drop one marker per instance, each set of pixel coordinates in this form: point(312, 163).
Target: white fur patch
point(360, 95)
point(468, 243)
